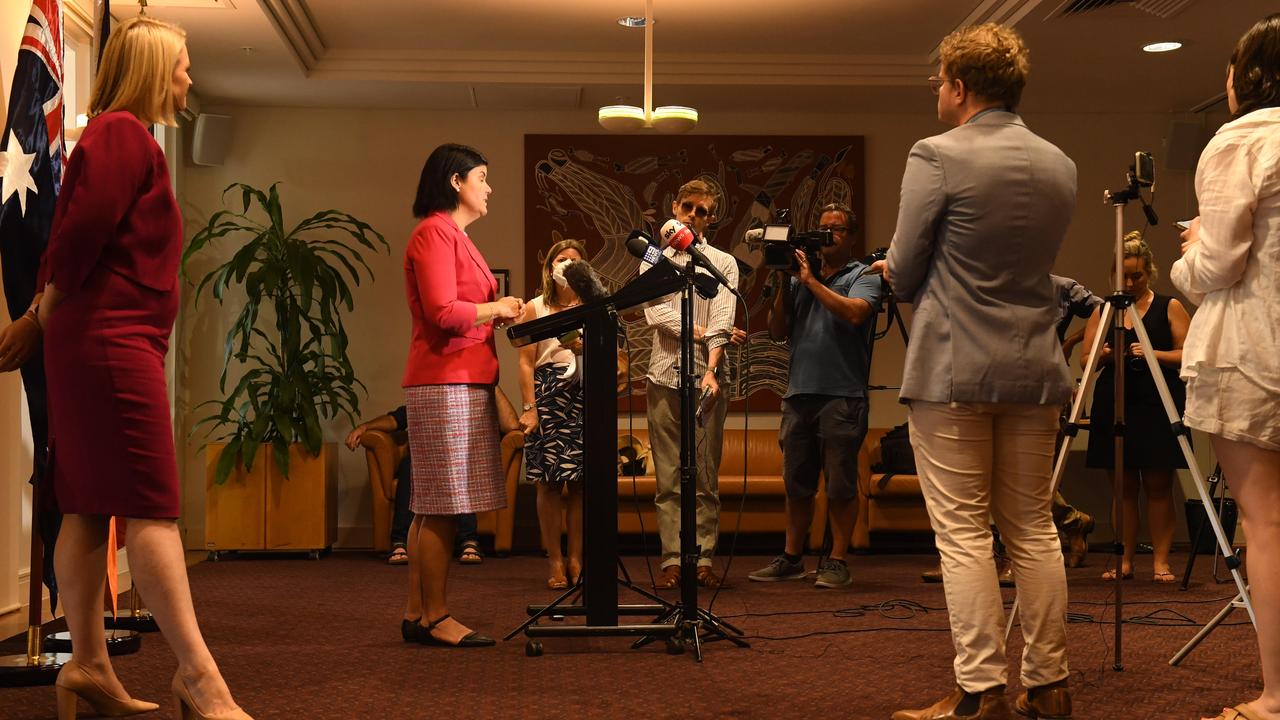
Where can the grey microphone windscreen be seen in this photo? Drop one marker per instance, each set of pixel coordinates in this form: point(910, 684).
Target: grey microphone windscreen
point(582, 279)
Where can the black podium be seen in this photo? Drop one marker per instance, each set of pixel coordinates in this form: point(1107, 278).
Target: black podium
point(598, 322)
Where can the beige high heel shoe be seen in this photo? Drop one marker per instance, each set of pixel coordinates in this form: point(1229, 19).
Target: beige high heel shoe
point(188, 710)
point(75, 682)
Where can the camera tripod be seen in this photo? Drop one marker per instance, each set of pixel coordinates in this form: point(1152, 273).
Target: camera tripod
point(1117, 306)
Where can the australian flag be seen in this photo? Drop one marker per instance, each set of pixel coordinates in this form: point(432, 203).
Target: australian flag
point(32, 155)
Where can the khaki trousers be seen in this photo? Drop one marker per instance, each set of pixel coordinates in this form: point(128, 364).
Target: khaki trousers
point(664, 445)
point(979, 462)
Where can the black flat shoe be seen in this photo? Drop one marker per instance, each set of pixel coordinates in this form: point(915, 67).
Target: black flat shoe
point(412, 630)
point(470, 640)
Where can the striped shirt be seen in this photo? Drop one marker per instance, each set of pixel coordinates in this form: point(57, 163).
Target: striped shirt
point(716, 315)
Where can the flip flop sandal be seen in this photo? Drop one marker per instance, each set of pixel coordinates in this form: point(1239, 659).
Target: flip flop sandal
point(1239, 712)
point(1164, 577)
point(1111, 575)
point(557, 583)
point(398, 556)
point(470, 554)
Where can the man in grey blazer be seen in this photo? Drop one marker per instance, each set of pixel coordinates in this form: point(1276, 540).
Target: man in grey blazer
point(984, 209)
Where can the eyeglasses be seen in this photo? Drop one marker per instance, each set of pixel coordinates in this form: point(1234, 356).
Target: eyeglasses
point(839, 229)
point(935, 84)
point(700, 210)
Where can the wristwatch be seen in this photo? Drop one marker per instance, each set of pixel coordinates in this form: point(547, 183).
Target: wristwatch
point(528, 406)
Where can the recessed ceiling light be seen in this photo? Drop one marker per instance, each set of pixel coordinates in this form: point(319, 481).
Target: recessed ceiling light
point(1159, 47)
point(632, 21)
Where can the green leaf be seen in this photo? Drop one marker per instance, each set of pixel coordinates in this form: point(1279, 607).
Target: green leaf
point(280, 449)
point(226, 462)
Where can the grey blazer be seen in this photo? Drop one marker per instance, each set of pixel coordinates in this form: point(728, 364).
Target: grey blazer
point(984, 210)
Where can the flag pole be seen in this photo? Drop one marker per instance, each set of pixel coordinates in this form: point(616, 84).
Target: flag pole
point(34, 667)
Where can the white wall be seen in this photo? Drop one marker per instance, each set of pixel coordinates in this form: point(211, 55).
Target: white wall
point(367, 162)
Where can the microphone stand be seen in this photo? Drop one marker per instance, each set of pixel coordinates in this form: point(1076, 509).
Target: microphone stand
point(692, 623)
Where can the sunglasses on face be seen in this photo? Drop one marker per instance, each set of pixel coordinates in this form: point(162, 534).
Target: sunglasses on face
point(935, 84)
point(837, 229)
point(700, 210)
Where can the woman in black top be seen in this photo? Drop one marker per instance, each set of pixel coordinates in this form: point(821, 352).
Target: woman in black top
point(1151, 452)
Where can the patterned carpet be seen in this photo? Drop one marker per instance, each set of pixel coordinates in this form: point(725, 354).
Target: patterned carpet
point(320, 639)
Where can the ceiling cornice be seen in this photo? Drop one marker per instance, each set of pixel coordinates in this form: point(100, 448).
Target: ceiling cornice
point(613, 68)
point(293, 22)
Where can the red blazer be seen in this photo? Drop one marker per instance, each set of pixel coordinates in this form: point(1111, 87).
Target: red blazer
point(116, 210)
point(445, 278)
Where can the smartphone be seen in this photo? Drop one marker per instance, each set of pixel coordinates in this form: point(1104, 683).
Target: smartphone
point(1183, 224)
point(1144, 170)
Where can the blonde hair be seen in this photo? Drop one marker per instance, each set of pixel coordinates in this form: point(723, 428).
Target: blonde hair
point(990, 60)
point(550, 291)
point(1136, 247)
point(136, 72)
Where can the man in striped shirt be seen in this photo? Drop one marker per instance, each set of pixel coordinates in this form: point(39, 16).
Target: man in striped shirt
point(695, 206)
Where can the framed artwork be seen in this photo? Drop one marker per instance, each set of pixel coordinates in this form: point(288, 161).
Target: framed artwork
point(598, 188)
point(504, 281)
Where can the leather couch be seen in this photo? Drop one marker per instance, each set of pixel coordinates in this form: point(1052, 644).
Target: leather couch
point(763, 510)
point(383, 451)
point(885, 504)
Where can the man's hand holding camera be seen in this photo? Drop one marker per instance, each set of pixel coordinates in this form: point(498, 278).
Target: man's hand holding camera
point(802, 271)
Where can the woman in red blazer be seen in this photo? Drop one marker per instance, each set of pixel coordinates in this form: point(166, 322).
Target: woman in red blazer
point(110, 277)
point(448, 381)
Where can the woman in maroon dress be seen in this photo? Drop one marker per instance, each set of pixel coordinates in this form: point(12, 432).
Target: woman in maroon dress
point(110, 298)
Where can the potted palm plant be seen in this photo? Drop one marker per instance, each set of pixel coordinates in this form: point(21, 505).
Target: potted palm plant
point(290, 344)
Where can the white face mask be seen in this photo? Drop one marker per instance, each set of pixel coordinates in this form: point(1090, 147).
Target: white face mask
point(557, 274)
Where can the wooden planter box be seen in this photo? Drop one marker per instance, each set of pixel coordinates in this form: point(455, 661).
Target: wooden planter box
point(262, 510)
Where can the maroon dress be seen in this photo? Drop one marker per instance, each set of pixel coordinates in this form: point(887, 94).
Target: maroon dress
point(113, 251)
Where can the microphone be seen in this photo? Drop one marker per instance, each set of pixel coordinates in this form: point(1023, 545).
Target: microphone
point(583, 280)
point(679, 237)
point(753, 235)
point(640, 246)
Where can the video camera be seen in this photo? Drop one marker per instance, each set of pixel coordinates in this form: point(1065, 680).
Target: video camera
point(779, 241)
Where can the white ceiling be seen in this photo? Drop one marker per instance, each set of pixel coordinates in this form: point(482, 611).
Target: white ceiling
point(803, 55)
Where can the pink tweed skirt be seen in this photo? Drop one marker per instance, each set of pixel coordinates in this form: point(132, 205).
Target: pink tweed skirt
point(454, 443)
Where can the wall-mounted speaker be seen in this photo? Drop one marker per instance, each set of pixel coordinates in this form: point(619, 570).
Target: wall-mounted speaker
point(211, 139)
point(1183, 145)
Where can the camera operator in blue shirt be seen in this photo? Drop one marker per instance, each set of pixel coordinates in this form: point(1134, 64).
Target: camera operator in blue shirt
point(828, 317)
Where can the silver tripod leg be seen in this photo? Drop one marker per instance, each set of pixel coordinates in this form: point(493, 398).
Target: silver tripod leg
point(1077, 408)
point(1238, 601)
point(1242, 599)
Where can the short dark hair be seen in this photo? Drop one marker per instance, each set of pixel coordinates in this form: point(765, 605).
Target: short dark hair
point(435, 192)
point(1256, 66)
point(850, 220)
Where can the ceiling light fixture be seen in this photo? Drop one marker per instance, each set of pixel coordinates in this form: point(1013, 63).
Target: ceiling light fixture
point(1159, 47)
point(664, 119)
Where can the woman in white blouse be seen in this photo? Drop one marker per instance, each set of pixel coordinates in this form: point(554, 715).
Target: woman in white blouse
point(1231, 360)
